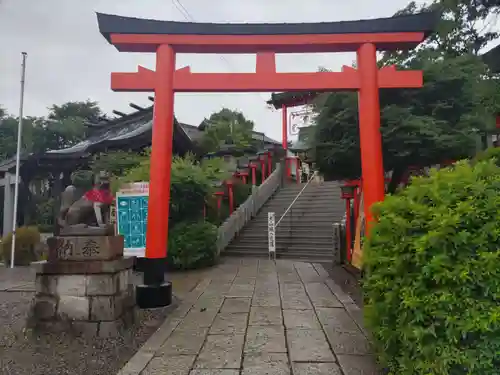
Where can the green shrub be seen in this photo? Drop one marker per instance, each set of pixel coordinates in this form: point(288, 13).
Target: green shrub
point(27, 240)
point(432, 281)
point(44, 214)
point(489, 153)
point(189, 187)
point(83, 179)
point(241, 192)
point(192, 245)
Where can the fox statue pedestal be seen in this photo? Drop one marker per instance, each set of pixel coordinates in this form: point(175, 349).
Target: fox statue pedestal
point(84, 287)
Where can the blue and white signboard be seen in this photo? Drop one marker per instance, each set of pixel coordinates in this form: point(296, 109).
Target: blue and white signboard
point(132, 217)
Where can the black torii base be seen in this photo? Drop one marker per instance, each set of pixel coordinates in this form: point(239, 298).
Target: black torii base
point(155, 292)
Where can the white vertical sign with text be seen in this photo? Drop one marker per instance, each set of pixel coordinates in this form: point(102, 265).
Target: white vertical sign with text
point(271, 233)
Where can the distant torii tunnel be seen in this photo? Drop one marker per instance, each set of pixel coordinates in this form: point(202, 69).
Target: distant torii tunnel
point(166, 38)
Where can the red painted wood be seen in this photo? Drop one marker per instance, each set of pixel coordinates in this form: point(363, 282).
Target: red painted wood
point(297, 177)
point(257, 43)
point(284, 127)
point(262, 168)
point(253, 167)
point(144, 80)
point(161, 155)
point(269, 163)
point(265, 62)
point(348, 229)
point(369, 130)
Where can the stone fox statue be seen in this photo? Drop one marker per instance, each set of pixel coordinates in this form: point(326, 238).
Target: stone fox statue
point(91, 209)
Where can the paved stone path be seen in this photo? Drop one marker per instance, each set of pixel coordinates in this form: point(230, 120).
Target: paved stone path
point(256, 317)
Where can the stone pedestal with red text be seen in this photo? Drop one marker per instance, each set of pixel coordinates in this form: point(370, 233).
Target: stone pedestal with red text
point(84, 287)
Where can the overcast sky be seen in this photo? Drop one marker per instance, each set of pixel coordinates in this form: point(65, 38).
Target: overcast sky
point(69, 60)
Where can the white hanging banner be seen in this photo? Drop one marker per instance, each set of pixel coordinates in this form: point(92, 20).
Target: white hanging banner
point(271, 232)
point(300, 119)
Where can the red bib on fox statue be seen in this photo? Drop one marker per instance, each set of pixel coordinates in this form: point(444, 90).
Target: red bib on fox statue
point(97, 195)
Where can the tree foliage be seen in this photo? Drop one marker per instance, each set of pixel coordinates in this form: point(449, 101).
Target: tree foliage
point(191, 183)
point(226, 127)
point(432, 280)
point(419, 127)
point(465, 28)
point(63, 127)
point(117, 162)
point(192, 245)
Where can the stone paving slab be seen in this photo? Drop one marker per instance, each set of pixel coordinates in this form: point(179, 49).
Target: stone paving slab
point(253, 317)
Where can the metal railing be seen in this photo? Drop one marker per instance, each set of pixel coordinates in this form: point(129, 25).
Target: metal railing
point(297, 197)
point(272, 225)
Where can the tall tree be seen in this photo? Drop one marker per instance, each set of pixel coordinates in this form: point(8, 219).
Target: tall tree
point(63, 126)
point(419, 127)
point(465, 27)
point(226, 127)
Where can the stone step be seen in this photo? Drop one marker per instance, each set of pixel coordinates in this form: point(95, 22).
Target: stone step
point(284, 236)
point(302, 213)
point(301, 248)
point(320, 235)
point(311, 257)
point(299, 211)
point(296, 221)
point(310, 224)
point(313, 202)
point(298, 187)
point(306, 196)
point(326, 246)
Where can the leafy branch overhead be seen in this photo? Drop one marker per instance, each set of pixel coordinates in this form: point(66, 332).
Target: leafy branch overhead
point(441, 121)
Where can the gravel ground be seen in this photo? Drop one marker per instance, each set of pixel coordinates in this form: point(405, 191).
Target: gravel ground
point(47, 354)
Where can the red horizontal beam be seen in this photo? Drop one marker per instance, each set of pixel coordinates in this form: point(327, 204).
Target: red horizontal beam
point(258, 43)
point(185, 81)
point(141, 81)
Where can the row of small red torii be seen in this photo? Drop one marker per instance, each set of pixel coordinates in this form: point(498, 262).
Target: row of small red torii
point(165, 81)
point(265, 162)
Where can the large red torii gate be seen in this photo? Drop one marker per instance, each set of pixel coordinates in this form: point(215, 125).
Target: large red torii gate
point(166, 38)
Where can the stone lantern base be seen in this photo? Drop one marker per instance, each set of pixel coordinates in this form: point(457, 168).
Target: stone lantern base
point(85, 287)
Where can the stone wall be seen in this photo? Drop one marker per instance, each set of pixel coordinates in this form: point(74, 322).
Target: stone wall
point(88, 297)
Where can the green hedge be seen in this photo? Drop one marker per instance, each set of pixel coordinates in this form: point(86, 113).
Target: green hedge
point(190, 184)
point(432, 281)
point(192, 245)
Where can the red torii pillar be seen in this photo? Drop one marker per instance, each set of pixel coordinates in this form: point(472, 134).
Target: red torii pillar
point(269, 162)
point(262, 163)
point(253, 167)
point(244, 176)
point(370, 139)
point(284, 127)
point(219, 195)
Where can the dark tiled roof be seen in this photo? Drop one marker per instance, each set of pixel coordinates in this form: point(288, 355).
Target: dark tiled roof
point(113, 24)
point(131, 129)
point(291, 99)
point(257, 136)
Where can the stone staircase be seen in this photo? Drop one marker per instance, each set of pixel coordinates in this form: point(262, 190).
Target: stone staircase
point(306, 231)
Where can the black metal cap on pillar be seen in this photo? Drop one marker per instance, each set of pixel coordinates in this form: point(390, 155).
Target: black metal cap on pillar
point(155, 292)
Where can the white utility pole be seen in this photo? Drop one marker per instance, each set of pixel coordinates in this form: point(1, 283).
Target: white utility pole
point(18, 160)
